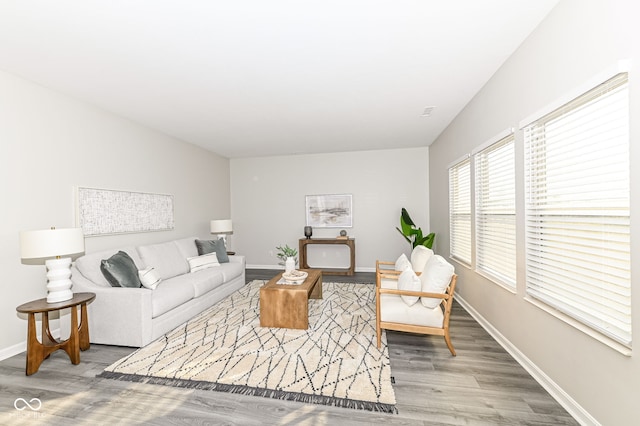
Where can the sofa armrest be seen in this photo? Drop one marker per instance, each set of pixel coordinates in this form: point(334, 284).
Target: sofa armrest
point(413, 293)
point(236, 258)
point(119, 316)
point(384, 266)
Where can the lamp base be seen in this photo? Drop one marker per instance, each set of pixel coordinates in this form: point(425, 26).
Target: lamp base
point(59, 284)
point(223, 237)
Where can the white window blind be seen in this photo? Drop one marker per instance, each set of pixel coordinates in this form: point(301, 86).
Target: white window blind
point(495, 190)
point(460, 211)
point(577, 209)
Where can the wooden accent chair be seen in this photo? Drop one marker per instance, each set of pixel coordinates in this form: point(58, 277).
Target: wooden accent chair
point(392, 313)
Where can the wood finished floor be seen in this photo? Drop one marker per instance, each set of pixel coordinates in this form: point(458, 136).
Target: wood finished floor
point(483, 385)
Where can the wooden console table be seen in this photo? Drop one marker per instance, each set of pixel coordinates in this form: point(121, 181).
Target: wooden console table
point(350, 242)
point(78, 339)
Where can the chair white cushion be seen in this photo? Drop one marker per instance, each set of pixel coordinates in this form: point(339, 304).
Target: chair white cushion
point(435, 278)
point(389, 283)
point(408, 280)
point(402, 263)
point(393, 309)
point(419, 257)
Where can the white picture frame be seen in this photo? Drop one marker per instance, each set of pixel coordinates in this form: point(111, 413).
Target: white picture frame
point(329, 210)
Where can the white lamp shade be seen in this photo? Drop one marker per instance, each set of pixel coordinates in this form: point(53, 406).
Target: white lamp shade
point(51, 243)
point(222, 226)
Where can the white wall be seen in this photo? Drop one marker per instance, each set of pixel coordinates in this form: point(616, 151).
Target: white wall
point(51, 144)
point(578, 40)
point(268, 203)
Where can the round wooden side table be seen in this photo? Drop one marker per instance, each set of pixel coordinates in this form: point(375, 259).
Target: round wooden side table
point(78, 339)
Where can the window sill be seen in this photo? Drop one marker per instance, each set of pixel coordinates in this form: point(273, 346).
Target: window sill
point(460, 262)
point(496, 281)
point(624, 350)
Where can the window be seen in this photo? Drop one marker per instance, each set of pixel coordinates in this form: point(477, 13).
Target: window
point(495, 190)
point(460, 210)
point(577, 209)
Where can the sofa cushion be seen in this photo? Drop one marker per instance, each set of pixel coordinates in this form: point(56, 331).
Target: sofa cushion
point(408, 280)
point(419, 257)
point(172, 293)
point(231, 270)
point(198, 263)
point(210, 246)
point(435, 278)
point(187, 247)
point(166, 258)
point(202, 281)
point(149, 278)
point(89, 264)
point(120, 271)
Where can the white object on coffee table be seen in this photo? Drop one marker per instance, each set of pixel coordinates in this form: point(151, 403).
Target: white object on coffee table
point(295, 276)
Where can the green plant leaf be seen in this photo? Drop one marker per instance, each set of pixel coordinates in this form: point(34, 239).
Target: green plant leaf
point(286, 251)
point(406, 223)
point(428, 240)
point(404, 215)
point(412, 233)
point(405, 237)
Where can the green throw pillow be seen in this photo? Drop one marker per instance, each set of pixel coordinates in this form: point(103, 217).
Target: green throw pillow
point(211, 246)
point(120, 271)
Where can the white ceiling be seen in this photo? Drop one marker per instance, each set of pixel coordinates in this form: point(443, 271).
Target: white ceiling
point(247, 78)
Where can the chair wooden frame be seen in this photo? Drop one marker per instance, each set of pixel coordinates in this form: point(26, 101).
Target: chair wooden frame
point(384, 271)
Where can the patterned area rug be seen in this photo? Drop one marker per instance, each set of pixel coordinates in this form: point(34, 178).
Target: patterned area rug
point(334, 362)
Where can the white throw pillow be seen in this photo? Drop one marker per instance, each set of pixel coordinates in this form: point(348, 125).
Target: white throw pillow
point(402, 263)
point(198, 263)
point(435, 278)
point(419, 257)
point(149, 278)
point(408, 280)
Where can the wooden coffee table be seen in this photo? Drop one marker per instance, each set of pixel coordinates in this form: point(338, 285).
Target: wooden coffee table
point(287, 305)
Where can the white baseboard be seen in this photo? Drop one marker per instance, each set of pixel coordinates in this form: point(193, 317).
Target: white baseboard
point(22, 346)
point(264, 267)
point(563, 398)
point(371, 269)
point(13, 350)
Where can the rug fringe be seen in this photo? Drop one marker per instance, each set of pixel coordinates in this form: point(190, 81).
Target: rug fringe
point(252, 391)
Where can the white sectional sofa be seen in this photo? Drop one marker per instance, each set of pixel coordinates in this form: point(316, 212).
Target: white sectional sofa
point(137, 316)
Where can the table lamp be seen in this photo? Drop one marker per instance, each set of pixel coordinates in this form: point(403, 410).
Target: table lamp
point(222, 227)
point(52, 244)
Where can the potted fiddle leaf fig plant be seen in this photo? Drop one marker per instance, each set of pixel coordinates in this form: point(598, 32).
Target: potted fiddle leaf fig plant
point(412, 233)
point(288, 258)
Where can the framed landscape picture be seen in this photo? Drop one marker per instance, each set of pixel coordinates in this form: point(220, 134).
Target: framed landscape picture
point(329, 211)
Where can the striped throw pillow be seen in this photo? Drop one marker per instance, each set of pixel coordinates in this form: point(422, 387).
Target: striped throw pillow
point(149, 278)
point(205, 261)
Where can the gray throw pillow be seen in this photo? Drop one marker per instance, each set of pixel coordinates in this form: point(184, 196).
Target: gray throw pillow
point(211, 246)
point(120, 270)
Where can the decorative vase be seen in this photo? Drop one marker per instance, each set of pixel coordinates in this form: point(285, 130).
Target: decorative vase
point(289, 264)
point(308, 231)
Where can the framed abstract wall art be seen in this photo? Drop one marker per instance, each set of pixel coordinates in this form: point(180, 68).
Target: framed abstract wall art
point(105, 211)
point(329, 211)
